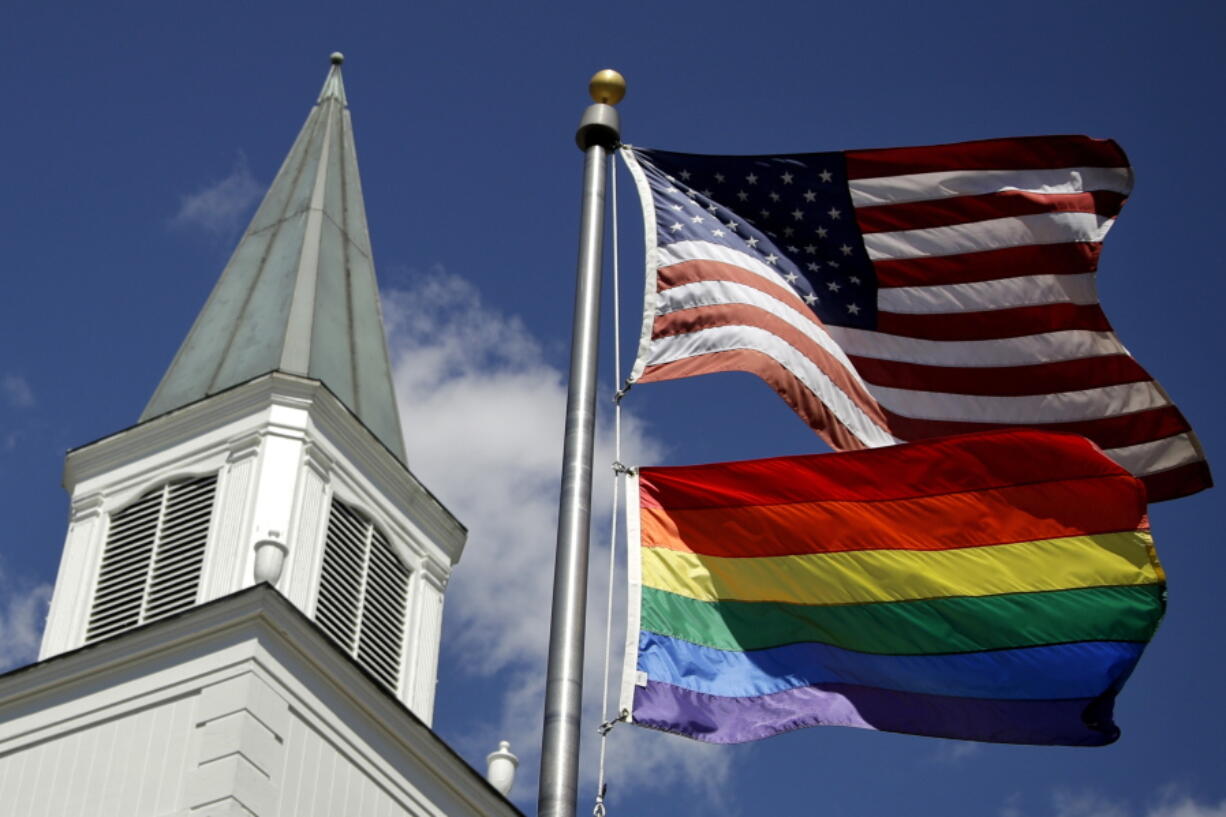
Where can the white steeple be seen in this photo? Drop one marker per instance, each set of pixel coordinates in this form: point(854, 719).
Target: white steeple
point(272, 451)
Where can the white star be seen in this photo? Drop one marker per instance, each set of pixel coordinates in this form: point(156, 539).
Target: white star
point(772, 258)
point(855, 279)
point(751, 178)
point(711, 208)
point(675, 226)
point(717, 233)
point(751, 241)
point(685, 175)
point(732, 225)
point(742, 195)
point(692, 193)
point(810, 299)
point(765, 213)
point(810, 249)
point(696, 219)
point(845, 249)
point(707, 193)
point(853, 309)
point(814, 267)
point(788, 231)
point(793, 248)
point(787, 178)
point(822, 232)
point(810, 196)
point(834, 264)
point(833, 286)
point(672, 190)
point(826, 176)
point(774, 196)
point(834, 213)
point(798, 214)
point(719, 177)
point(791, 277)
point(677, 207)
point(670, 178)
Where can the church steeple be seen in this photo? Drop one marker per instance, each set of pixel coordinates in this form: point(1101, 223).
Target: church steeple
point(271, 452)
point(299, 293)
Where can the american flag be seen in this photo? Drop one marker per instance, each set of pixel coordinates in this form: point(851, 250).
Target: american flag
point(894, 295)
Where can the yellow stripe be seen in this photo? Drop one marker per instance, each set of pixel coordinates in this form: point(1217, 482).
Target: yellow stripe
point(855, 577)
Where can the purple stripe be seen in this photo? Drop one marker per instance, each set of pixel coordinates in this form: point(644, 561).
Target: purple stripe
point(716, 719)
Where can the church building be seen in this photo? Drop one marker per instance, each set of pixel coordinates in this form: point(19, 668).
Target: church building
point(248, 610)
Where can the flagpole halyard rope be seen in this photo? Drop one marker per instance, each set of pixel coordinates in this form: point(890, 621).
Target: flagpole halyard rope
point(599, 809)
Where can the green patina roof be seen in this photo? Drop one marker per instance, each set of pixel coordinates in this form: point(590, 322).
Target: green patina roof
point(299, 294)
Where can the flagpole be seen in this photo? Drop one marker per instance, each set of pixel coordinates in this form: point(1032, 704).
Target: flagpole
point(599, 132)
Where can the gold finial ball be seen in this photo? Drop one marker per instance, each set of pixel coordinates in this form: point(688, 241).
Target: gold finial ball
point(607, 86)
point(337, 58)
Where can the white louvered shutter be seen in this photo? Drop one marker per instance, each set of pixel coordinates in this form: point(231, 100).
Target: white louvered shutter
point(153, 557)
point(363, 593)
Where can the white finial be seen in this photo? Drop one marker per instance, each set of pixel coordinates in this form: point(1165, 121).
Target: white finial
point(337, 58)
point(500, 768)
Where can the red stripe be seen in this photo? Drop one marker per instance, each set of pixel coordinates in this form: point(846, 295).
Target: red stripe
point(971, 462)
point(1177, 482)
point(685, 321)
point(1024, 153)
point(795, 393)
point(1071, 258)
point(942, 212)
point(694, 272)
point(1003, 381)
point(1000, 323)
point(1116, 431)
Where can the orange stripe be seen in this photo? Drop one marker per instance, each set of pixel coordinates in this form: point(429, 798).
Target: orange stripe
point(995, 516)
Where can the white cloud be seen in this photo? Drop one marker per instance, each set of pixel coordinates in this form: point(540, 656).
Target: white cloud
point(954, 752)
point(1174, 803)
point(23, 609)
point(482, 410)
point(1169, 801)
point(218, 208)
point(17, 391)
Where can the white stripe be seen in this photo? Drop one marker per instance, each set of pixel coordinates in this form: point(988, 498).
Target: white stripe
point(983, 296)
point(729, 338)
point(718, 293)
point(680, 251)
point(946, 184)
point(1030, 409)
point(1156, 456)
point(1049, 347)
point(649, 239)
point(992, 234)
point(634, 595)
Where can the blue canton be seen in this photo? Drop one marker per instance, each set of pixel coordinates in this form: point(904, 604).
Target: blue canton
point(792, 213)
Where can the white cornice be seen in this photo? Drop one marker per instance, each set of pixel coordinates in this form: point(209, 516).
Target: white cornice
point(323, 413)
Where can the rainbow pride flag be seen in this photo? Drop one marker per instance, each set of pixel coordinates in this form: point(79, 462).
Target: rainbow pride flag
point(997, 587)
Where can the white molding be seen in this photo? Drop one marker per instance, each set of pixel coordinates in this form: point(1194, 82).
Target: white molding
point(337, 431)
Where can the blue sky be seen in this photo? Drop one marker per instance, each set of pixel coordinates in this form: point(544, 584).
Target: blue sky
point(140, 137)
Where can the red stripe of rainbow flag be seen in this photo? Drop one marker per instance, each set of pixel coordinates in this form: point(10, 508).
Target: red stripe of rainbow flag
point(997, 586)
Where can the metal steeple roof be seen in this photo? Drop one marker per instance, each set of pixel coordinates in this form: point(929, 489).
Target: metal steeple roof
point(299, 293)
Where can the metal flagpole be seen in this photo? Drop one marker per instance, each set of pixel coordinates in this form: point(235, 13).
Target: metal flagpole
point(598, 133)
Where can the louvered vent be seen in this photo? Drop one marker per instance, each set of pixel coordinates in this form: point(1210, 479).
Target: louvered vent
point(363, 593)
point(153, 556)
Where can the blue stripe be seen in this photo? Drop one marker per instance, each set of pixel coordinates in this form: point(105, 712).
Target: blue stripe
point(1084, 669)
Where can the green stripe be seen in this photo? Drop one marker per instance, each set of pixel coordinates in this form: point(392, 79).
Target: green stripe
point(947, 625)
